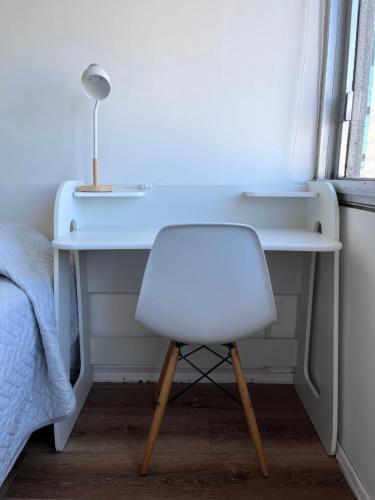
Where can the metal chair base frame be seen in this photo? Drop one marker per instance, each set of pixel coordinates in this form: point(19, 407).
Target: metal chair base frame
point(204, 375)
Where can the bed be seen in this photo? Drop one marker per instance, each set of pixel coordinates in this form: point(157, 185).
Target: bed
point(34, 389)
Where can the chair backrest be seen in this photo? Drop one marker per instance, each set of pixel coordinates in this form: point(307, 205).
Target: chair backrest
point(206, 283)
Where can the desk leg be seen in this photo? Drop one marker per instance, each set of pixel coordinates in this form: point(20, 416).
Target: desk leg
point(316, 375)
point(63, 429)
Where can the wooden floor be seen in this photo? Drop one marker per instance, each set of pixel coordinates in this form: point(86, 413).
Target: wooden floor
point(203, 450)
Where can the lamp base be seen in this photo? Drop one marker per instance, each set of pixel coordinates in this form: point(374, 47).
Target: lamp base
point(95, 189)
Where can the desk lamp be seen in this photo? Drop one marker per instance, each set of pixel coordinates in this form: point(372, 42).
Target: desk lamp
point(96, 84)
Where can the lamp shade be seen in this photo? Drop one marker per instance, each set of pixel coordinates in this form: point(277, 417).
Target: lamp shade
point(95, 82)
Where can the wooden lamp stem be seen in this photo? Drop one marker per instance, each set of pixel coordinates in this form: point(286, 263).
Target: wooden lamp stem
point(96, 187)
point(95, 171)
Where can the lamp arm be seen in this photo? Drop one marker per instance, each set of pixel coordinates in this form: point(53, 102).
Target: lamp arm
point(95, 129)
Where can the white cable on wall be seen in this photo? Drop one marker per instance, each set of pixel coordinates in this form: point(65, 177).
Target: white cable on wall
point(299, 98)
point(323, 75)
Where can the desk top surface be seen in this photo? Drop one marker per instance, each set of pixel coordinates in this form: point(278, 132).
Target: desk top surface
point(142, 238)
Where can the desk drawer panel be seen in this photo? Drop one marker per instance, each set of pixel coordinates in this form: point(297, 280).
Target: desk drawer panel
point(121, 271)
point(112, 314)
point(116, 271)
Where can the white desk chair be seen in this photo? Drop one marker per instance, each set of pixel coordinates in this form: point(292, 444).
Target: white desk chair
point(205, 284)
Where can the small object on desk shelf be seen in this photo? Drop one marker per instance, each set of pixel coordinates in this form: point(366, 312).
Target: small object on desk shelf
point(144, 186)
point(96, 84)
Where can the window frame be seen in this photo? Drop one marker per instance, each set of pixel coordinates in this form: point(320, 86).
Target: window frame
point(340, 28)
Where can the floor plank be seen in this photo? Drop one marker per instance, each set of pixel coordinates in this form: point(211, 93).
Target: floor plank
point(203, 450)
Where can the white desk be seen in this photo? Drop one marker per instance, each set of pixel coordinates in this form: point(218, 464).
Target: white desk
point(286, 219)
point(142, 238)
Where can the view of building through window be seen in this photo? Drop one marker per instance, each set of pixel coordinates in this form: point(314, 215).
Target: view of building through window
point(368, 149)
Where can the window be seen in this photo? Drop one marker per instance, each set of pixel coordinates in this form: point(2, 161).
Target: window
point(346, 141)
point(357, 152)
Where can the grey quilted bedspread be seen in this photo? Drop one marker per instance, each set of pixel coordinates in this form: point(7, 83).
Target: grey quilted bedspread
point(34, 390)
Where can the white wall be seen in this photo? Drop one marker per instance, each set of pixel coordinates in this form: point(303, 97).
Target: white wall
point(357, 343)
point(203, 91)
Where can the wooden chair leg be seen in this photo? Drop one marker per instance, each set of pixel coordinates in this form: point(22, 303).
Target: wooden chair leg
point(160, 408)
point(163, 370)
point(248, 409)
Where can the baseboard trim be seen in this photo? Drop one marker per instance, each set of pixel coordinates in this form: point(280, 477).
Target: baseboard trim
point(126, 373)
point(351, 475)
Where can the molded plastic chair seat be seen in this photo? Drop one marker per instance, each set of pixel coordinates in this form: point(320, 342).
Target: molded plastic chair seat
point(205, 284)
